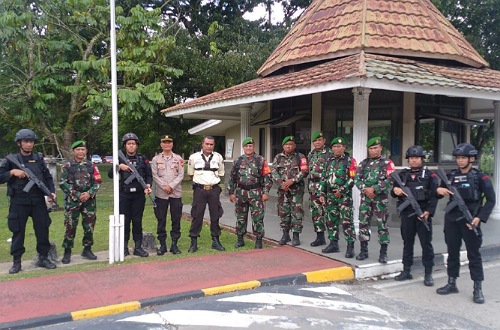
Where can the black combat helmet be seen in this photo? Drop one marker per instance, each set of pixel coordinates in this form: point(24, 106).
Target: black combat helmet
point(465, 149)
point(415, 151)
point(130, 136)
point(25, 134)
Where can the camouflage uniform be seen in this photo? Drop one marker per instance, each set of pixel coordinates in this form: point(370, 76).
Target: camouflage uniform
point(317, 164)
point(290, 210)
point(77, 178)
point(249, 181)
point(374, 173)
point(338, 175)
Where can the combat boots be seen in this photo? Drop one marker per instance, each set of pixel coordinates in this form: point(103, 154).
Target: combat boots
point(194, 245)
point(139, 251)
point(44, 262)
point(477, 295)
point(295, 239)
point(320, 239)
point(332, 247)
point(240, 242)
point(67, 256)
point(383, 254)
point(363, 254)
point(173, 247)
point(258, 242)
point(163, 248)
point(349, 253)
point(88, 254)
point(285, 238)
point(216, 244)
point(404, 275)
point(126, 252)
point(428, 280)
point(451, 287)
point(16, 266)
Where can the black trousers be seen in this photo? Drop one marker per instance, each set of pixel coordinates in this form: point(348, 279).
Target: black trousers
point(17, 221)
point(410, 227)
point(175, 215)
point(201, 198)
point(132, 207)
point(454, 233)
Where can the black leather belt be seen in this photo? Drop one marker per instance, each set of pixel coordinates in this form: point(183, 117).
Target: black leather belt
point(249, 186)
point(204, 186)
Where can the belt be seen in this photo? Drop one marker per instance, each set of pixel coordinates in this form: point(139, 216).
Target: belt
point(204, 186)
point(315, 179)
point(249, 186)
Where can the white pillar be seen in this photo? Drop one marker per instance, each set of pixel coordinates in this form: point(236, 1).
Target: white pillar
point(245, 117)
point(316, 114)
point(495, 214)
point(360, 137)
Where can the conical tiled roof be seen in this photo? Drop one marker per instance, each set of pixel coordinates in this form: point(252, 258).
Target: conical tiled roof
point(331, 29)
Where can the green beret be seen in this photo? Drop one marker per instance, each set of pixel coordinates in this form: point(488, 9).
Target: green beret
point(77, 144)
point(288, 138)
point(316, 135)
point(248, 140)
point(374, 141)
point(338, 140)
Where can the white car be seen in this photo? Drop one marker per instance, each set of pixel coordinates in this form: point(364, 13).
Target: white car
point(96, 159)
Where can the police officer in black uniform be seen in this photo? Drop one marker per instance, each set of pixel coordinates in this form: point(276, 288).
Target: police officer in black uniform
point(474, 187)
point(423, 184)
point(24, 204)
point(132, 195)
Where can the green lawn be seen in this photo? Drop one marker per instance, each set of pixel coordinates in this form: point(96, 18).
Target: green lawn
point(104, 210)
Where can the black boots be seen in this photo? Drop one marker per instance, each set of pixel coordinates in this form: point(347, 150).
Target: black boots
point(295, 240)
point(67, 256)
point(349, 253)
point(126, 252)
point(383, 254)
point(332, 247)
point(163, 248)
point(44, 262)
point(477, 295)
point(428, 280)
point(258, 242)
point(363, 254)
point(451, 287)
point(173, 247)
point(240, 242)
point(286, 237)
point(139, 251)
point(194, 245)
point(216, 244)
point(320, 239)
point(404, 275)
point(88, 254)
point(16, 266)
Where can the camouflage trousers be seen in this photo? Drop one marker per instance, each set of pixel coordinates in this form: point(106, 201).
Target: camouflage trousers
point(369, 207)
point(340, 210)
point(249, 200)
point(71, 214)
point(290, 210)
point(318, 213)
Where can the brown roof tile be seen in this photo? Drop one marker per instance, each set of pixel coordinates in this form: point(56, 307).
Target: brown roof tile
point(331, 29)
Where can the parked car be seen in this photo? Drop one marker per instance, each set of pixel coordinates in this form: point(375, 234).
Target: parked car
point(108, 159)
point(96, 159)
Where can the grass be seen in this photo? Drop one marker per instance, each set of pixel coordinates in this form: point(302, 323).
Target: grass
point(104, 209)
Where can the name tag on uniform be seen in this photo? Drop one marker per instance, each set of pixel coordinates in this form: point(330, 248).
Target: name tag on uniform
point(133, 189)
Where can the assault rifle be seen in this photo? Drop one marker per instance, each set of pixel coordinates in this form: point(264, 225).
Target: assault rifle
point(135, 175)
point(410, 200)
point(33, 179)
point(456, 201)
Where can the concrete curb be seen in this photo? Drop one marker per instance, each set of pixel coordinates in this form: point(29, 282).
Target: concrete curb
point(326, 275)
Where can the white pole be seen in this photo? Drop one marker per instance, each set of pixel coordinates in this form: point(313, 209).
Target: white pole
point(121, 242)
point(111, 239)
point(114, 112)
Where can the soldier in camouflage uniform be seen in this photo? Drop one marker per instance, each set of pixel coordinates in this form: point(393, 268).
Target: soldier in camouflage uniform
point(372, 179)
point(289, 171)
point(80, 180)
point(248, 187)
point(336, 188)
point(317, 160)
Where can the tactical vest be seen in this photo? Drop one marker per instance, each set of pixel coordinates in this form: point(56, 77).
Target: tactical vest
point(73, 170)
point(467, 184)
point(134, 185)
point(420, 187)
point(258, 164)
point(37, 167)
point(207, 163)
